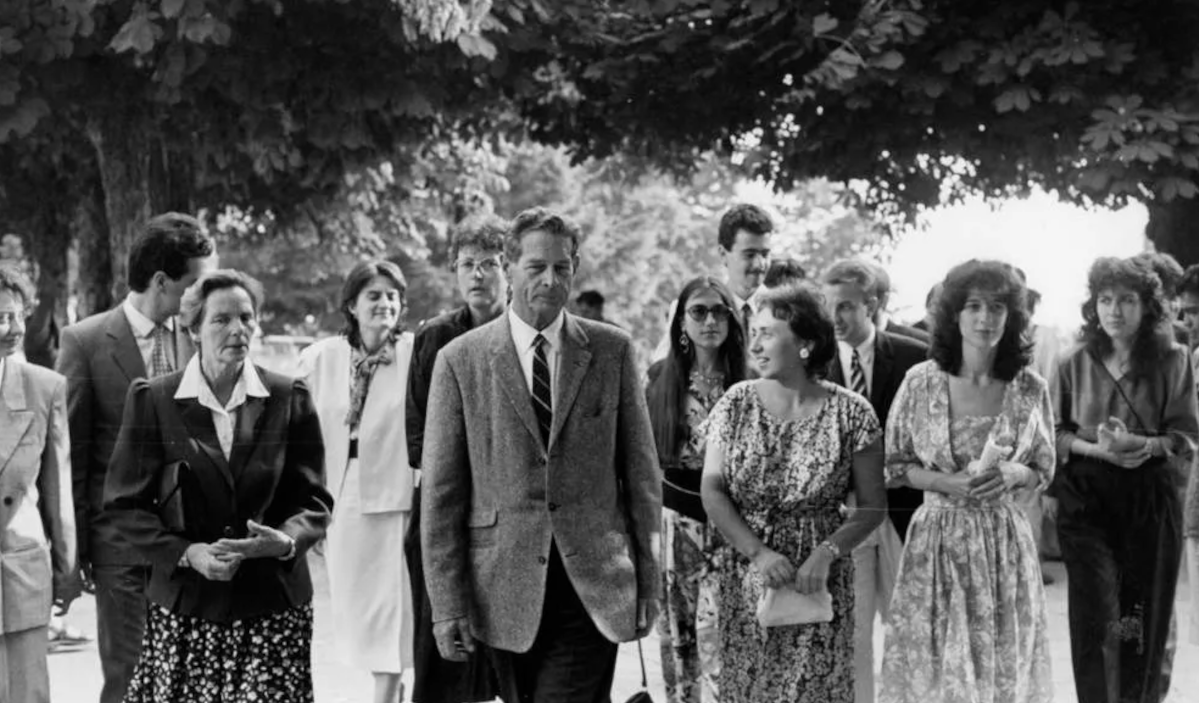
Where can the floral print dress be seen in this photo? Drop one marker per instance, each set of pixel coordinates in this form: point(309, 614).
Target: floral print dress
point(967, 621)
point(788, 480)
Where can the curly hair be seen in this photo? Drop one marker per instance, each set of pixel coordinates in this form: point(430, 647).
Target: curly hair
point(1014, 351)
point(1154, 337)
point(539, 218)
point(483, 232)
point(667, 392)
point(17, 283)
point(1167, 268)
point(803, 309)
point(360, 277)
point(750, 218)
point(195, 298)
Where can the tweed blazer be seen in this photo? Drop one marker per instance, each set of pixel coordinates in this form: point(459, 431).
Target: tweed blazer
point(37, 519)
point(100, 358)
point(495, 496)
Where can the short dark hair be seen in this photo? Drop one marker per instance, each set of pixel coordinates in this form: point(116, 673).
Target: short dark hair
point(1190, 280)
point(169, 242)
point(1014, 351)
point(358, 278)
point(882, 284)
point(783, 272)
point(1167, 268)
point(931, 297)
point(17, 283)
point(860, 273)
point(803, 309)
point(592, 298)
point(750, 218)
point(191, 306)
point(1155, 336)
point(539, 218)
point(484, 232)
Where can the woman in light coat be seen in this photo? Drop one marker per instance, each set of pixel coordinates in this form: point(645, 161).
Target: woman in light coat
point(358, 379)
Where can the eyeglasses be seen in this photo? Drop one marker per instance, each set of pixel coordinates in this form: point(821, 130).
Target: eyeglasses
point(468, 266)
point(700, 313)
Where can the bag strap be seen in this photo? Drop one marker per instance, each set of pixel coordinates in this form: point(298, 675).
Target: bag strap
point(641, 657)
point(1127, 401)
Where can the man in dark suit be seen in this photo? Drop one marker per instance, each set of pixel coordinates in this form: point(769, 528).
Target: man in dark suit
point(541, 489)
point(870, 362)
point(100, 357)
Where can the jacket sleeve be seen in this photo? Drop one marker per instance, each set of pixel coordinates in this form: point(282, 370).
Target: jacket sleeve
point(637, 460)
point(424, 353)
point(54, 491)
point(302, 505)
point(131, 486)
point(73, 363)
point(445, 498)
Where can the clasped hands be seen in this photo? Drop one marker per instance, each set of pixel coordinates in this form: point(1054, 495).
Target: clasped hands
point(219, 561)
point(777, 571)
point(1116, 445)
point(988, 484)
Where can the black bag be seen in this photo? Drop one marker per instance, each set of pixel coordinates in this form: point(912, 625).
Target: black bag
point(641, 696)
point(680, 492)
point(170, 497)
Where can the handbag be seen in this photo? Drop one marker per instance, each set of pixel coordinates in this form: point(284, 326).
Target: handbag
point(169, 503)
point(641, 696)
point(786, 606)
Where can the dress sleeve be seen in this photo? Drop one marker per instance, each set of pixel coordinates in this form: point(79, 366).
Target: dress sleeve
point(1042, 452)
point(720, 427)
point(863, 426)
point(900, 442)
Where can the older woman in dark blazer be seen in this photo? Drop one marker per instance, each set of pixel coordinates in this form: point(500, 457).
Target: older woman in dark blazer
point(37, 519)
point(217, 479)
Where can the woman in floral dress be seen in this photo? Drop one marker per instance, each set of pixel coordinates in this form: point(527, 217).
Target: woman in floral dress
point(707, 355)
point(968, 617)
point(782, 454)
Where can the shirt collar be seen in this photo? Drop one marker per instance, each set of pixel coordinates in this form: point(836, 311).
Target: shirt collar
point(142, 326)
point(523, 333)
point(863, 349)
point(194, 386)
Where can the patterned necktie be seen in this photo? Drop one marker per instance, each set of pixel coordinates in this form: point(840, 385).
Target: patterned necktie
point(747, 316)
point(160, 361)
point(858, 376)
point(543, 404)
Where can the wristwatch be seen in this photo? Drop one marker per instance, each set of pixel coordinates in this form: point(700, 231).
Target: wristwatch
point(291, 548)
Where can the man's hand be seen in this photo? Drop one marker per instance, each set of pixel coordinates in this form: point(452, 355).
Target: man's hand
point(86, 579)
point(455, 639)
point(212, 564)
point(647, 615)
point(66, 593)
point(263, 542)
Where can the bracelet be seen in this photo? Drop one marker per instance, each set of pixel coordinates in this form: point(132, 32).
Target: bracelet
point(291, 549)
point(833, 549)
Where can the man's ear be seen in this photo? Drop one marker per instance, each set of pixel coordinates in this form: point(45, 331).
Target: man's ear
point(574, 262)
point(871, 302)
point(504, 263)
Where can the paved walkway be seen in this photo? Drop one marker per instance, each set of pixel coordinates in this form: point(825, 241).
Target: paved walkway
point(75, 676)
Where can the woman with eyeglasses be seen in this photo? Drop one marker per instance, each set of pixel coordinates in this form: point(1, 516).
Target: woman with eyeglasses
point(707, 355)
point(358, 381)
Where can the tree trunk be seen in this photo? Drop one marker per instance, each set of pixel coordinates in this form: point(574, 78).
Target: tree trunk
point(124, 146)
point(1174, 228)
point(49, 244)
point(94, 287)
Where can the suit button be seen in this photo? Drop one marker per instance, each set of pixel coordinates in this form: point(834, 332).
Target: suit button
point(8, 500)
point(228, 531)
point(542, 461)
point(541, 560)
point(553, 507)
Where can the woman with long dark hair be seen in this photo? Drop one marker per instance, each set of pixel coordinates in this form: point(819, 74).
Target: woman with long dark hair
point(967, 618)
point(707, 355)
point(1126, 426)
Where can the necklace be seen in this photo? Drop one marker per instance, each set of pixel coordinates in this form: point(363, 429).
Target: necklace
point(710, 379)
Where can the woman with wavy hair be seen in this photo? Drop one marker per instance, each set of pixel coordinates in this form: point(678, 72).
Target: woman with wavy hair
point(1126, 425)
point(706, 356)
point(972, 428)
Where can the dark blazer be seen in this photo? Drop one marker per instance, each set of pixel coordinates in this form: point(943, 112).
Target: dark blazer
point(430, 338)
point(275, 476)
point(100, 358)
point(902, 330)
point(893, 356)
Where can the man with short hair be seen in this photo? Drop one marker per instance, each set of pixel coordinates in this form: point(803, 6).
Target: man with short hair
point(590, 304)
point(541, 488)
point(784, 272)
point(100, 357)
point(925, 324)
point(882, 318)
point(1170, 273)
point(872, 363)
point(744, 238)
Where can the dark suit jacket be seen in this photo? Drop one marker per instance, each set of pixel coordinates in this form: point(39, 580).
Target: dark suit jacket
point(430, 338)
point(274, 476)
point(902, 330)
point(893, 356)
point(100, 358)
point(496, 498)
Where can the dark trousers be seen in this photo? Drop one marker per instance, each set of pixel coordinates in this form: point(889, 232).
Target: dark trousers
point(902, 503)
point(1121, 540)
point(120, 624)
point(570, 661)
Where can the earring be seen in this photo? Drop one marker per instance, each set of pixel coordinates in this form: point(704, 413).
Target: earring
point(804, 353)
point(684, 343)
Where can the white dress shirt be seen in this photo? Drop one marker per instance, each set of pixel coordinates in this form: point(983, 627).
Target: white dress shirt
point(143, 332)
point(865, 357)
point(523, 335)
point(194, 386)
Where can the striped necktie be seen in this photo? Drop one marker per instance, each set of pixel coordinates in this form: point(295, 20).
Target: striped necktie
point(858, 376)
point(160, 362)
point(747, 316)
point(543, 404)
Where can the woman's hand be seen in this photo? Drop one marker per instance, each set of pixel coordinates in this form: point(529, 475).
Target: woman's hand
point(813, 575)
point(263, 542)
point(775, 569)
point(211, 563)
point(954, 485)
point(988, 485)
point(1130, 459)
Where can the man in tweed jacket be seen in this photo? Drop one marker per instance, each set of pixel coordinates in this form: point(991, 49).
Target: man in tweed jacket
point(541, 488)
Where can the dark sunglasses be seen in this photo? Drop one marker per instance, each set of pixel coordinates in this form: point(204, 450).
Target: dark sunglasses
point(700, 313)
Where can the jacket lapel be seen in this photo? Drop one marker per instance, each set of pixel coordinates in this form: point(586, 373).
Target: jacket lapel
point(198, 421)
point(834, 369)
point(572, 368)
point(125, 353)
point(505, 364)
point(17, 418)
point(884, 366)
point(248, 419)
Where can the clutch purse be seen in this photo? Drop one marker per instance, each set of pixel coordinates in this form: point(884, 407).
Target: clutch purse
point(787, 606)
point(170, 497)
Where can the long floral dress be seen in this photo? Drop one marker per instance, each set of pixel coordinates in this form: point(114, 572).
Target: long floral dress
point(788, 479)
point(687, 624)
point(967, 620)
